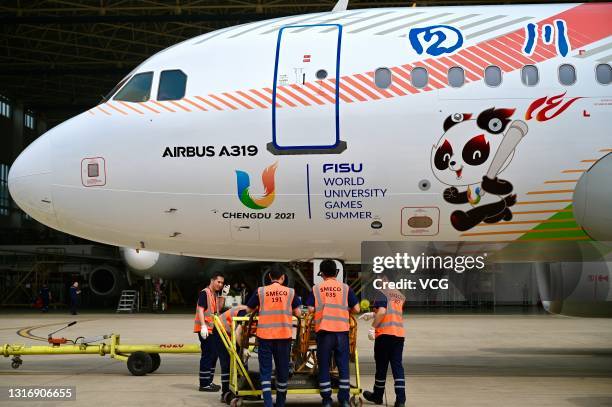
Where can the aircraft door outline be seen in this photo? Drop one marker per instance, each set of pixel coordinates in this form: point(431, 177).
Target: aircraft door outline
point(296, 120)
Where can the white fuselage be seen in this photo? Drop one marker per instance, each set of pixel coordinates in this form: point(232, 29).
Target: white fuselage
point(150, 193)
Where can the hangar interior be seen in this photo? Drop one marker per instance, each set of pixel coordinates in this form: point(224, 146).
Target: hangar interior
point(58, 59)
point(486, 341)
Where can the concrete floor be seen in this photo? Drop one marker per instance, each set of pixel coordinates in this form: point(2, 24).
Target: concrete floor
point(450, 360)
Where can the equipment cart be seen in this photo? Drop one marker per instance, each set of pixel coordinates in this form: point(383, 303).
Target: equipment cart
point(245, 384)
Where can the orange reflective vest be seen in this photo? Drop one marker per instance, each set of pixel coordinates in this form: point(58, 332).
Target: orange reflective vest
point(211, 301)
point(275, 313)
point(226, 319)
point(393, 321)
point(331, 306)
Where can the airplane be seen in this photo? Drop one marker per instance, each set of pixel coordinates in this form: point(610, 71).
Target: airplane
point(300, 137)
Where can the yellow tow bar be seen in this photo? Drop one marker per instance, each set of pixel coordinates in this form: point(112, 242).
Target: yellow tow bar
point(141, 359)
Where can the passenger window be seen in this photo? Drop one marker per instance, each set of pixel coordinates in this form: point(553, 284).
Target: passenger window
point(172, 85)
point(530, 75)
point(456, 77)
point(138, 89)
point(382, 78)
point(604, 74)
point(419, 77)
point(567, 74)
point(493, 75)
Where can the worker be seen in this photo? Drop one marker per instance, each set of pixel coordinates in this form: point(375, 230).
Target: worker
point(388, 334)
point(332, 301)
point(276, 304)
point(74, 297)
point(224, 358)
point(209, 304)
point(45, 296)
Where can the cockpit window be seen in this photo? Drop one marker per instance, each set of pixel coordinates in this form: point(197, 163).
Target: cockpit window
point(172, 85)
point(115, 89)
point(138, 89)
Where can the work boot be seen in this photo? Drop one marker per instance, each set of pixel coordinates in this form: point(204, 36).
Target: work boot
point(211, 388)
point(368, 395)
point(345, 404)
point(398, 404)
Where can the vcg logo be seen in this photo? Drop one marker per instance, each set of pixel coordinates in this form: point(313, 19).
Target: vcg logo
point(244, 184)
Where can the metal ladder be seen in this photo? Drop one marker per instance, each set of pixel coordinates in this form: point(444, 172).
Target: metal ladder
point(129, 301)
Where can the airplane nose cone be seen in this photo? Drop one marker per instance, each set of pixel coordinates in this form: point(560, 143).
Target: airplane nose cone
point(29, 181)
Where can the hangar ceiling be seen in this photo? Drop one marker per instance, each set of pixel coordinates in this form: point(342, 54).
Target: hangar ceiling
point(61, 56)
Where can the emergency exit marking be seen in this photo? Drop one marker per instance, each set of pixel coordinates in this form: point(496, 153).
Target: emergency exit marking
point(93, 172)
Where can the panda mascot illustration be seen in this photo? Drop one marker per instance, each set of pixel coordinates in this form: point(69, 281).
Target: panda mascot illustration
point(469, 156)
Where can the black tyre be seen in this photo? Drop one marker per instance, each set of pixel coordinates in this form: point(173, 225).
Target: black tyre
point(227, 397)
point(139, 363)
point(356, 401)
point(156, 361)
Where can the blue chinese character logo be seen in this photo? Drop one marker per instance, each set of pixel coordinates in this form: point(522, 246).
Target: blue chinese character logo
point(548, 36)
point(436, 39)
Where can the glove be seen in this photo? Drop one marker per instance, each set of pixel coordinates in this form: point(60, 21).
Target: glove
point(204, 332)
point(368, 316)
point(372, 334)
point(225, 290)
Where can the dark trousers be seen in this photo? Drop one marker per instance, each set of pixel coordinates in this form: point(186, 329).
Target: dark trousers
point(208, 358)
point(338, 344)
point(279, 350)
point(73, 307)
point(224, 361)
point(388, 351)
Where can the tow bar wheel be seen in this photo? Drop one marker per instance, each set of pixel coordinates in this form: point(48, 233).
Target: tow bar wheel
point(16, 362)
point(156, 361)
point(139, 363)
point(356, 401)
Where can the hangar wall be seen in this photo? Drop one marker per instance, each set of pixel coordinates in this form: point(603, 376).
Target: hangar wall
point(16, 136)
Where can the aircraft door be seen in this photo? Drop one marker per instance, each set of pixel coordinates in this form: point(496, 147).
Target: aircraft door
point(305, 100)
